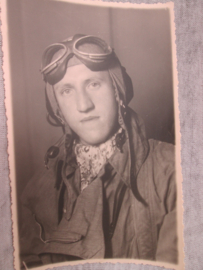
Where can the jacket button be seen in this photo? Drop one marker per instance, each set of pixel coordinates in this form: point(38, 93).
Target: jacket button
point(64, 210)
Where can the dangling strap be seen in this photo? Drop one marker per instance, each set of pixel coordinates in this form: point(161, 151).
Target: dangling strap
point(117, 206)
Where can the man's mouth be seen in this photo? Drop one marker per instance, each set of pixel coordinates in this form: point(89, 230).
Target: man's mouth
point(89, 118)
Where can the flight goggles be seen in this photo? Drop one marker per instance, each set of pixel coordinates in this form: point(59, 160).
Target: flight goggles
point(92, 51)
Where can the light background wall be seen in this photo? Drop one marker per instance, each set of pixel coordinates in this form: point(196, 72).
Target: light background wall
point(141, 39)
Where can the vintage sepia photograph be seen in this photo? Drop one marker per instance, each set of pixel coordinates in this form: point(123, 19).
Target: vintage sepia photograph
point(93, 133)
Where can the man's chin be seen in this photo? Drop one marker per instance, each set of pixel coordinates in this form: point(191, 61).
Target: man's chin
point(95, 139)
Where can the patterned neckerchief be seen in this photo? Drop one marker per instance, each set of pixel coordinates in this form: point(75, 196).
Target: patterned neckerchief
point(92, 158)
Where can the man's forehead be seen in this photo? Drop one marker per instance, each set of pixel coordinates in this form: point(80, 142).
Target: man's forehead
point(80, 73)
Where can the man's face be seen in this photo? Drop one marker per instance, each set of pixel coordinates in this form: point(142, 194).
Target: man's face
point(87, 102)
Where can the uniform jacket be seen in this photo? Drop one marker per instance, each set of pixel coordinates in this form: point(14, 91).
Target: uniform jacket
point(128, 211)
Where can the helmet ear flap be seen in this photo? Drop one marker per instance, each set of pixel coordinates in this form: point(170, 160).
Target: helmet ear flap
point(52, 107)
point(54, 111)
point(60, 117)
point(120, 101)
point(51, 116)
point(128, 85)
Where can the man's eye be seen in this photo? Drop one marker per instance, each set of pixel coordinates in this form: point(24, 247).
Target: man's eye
point(66, 91)
point(94, 85)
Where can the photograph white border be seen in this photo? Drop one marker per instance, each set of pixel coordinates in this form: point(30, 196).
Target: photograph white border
point(11, 147)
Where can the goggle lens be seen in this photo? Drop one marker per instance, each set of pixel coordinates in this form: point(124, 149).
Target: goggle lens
point(92, 47)
point(52, 55)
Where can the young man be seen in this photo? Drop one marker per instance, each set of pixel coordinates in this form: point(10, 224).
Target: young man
point(107, 191)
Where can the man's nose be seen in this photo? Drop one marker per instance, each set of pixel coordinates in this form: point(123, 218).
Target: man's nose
point(84, 102)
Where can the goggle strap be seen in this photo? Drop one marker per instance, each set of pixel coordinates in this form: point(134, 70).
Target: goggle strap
point(99, 57)
point(49, 68)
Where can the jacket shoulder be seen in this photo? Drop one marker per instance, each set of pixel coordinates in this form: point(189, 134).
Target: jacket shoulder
point(162, 151)
point(46, 177)
point(158, 170)
point(36, 185)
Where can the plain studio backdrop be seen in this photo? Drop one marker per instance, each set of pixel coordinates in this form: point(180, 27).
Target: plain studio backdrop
point(142, 42)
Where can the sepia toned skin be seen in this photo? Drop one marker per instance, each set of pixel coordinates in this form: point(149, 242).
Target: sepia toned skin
point(88, 104)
